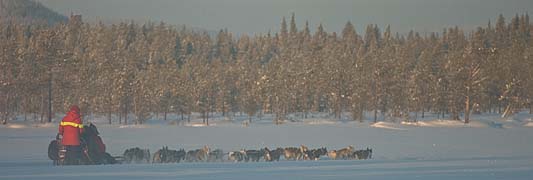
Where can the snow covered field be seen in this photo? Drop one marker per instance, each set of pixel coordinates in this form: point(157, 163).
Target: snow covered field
point(488, 148)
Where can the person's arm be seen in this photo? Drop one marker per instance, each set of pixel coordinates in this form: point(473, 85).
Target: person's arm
point(81, 127)
point(60, 131)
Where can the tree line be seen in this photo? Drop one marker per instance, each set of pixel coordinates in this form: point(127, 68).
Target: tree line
point(130, 71)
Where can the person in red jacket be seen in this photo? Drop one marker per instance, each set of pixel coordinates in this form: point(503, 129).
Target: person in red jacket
point(70, 129)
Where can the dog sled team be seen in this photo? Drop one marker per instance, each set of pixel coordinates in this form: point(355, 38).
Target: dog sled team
point(79, 144)
point(205, 154)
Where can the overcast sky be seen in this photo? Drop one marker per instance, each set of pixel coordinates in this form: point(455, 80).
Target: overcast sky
point(260, 16)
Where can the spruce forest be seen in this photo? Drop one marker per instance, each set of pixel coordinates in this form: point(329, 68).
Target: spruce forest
point(130, 71)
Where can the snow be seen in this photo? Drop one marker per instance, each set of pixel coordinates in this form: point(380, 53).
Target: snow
point(488, 148)
point(197, 124)
point(16, 126)
point(485, 169)
point(133, 126)
point(529, 124)
point(386, 125)
point(446, 123)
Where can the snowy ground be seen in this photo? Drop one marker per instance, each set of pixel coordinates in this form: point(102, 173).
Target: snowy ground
point(488, 148)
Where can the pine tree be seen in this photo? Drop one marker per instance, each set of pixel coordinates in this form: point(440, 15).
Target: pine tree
point(284, 32)
point(293, 30)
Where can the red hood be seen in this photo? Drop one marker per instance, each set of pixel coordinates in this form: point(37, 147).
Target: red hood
point(75, 114)
point(75, 109)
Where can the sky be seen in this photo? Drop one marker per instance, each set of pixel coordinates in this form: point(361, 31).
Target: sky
point(261, 16)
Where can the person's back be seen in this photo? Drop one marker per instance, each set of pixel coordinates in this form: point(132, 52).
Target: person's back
point(70, 129)
point(93, 134)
